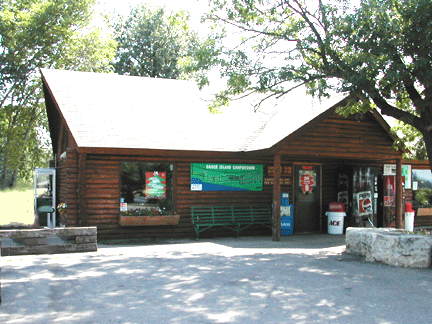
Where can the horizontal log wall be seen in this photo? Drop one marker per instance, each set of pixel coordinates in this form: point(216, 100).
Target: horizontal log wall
point(102, 184)
point(334, 142)
point(68, 186)
point(103, 198)
point(343, 138)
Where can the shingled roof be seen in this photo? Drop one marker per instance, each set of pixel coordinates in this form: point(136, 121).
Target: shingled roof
point(105, 110)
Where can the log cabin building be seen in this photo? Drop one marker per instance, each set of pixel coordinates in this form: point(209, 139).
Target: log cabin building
point(131, 145)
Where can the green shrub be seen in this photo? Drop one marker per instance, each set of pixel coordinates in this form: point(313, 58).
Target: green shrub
point(423, 197)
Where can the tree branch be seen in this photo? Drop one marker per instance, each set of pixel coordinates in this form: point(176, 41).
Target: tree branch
point(389, 110)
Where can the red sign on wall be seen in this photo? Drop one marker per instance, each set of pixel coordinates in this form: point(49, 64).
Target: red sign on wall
point(307, 182)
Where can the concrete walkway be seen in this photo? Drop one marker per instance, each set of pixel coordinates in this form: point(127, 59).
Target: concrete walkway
point(301, 279)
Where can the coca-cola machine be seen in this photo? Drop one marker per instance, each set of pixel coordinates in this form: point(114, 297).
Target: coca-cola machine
point(358, 190)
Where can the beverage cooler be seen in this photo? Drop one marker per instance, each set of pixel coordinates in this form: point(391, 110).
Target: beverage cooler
point(358, 189)
point(389, 206)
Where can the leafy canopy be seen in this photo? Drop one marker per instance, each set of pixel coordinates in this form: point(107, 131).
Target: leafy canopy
point(380, 51)
point(38, 34)
point(154, 42)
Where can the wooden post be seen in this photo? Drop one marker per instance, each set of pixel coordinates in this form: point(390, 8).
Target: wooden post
point(276, 233)
point(82, 212)
point(399, 194)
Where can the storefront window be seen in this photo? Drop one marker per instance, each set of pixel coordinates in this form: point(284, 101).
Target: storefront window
point(422, 188)
point(146, 188)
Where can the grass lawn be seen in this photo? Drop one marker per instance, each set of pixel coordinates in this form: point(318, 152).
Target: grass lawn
point(16, 205)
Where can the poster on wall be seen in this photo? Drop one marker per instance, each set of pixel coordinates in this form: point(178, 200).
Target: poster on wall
point(307, 181)
point(390, 169)
point(155, 185)
point(226, 177)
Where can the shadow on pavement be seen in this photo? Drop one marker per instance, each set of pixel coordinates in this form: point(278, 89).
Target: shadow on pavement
point(246, 280)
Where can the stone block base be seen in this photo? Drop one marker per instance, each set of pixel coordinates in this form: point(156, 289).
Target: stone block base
point(48, 241)
point(390, 246)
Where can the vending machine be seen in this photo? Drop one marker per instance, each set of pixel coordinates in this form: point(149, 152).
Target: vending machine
point(389, 206)
point(358, 190)
point(389, 192)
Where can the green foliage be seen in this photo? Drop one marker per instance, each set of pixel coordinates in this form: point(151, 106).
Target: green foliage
point(423, 197)
point(39, 34)
point(380, 51)
point(154, 42)
point(411, 140)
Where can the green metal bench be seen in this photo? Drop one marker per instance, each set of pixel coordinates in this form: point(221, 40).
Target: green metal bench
point(233, 218)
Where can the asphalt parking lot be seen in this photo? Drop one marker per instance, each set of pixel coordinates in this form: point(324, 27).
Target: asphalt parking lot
point(301, 279)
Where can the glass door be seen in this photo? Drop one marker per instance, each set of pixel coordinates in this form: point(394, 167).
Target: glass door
point(365, 196)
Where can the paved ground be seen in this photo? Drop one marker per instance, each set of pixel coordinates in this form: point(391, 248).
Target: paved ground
point(302, 279)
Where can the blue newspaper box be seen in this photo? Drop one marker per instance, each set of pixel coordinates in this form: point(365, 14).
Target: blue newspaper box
point(287, 225)
point(285, 199)
point(287, 219)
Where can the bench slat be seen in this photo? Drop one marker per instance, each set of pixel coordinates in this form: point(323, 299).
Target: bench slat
point(235, 218)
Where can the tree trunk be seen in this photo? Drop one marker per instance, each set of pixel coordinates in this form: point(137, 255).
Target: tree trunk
point(4, 180)
point(426, 130)
point(31, 125)
point(427, 137)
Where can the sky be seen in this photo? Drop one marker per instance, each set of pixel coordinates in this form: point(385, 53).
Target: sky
point(195, 7)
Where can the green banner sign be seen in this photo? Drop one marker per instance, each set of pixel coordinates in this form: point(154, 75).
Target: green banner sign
point(226, 177)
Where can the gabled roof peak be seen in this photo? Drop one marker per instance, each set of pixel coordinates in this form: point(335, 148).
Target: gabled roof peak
point(118, 111)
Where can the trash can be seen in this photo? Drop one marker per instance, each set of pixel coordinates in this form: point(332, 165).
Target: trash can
point(336, 214)
point(409, 217)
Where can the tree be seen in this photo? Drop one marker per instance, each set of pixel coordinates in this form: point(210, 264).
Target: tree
point(380, 51)
point(39, 34)
point(154, 43)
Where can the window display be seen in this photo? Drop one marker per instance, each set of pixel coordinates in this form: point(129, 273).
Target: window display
point(422, 188)
point(146, 189)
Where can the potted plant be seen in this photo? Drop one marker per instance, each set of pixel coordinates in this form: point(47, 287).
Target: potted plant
point(148, 217)
point(423, 200)
point(62, 209)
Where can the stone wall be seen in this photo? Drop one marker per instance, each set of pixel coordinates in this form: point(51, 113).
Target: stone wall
point(48, 241)
point(390, 246)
